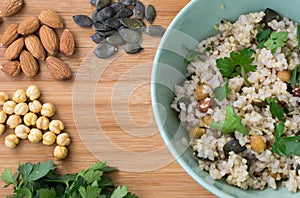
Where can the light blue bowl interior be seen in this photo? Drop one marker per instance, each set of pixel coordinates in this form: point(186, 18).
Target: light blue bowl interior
point(193, 24)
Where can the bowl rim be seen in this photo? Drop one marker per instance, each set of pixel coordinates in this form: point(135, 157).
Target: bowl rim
point(163, 133)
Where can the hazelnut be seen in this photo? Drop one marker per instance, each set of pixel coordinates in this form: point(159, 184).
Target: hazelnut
point(284, 75)
point(8, 107)
point(48, 110)
point(202, 92)
point(196, 132)
point(33, 92)
point(35, 106)
point(3, 117)
point(60, 152)
point(21, 108)
point(42, 123)
point(2, 129)
point(11, 141)
point(63, 139)
point(19, 96)
point(30, 119)
point(35, 135)
point(56, 126)
point(204, 105)
point(49, 138)
point(13, 121)
point(22, 131)
point(3, 98)
point(296, 92)
point(257, 144)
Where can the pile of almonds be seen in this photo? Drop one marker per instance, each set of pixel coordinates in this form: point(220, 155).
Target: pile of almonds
point(35, 39)
point(30, 119)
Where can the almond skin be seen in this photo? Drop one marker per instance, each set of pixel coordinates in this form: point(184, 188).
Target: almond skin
point(58, 69)
point(28, 64)
point(15, 49)
point(67, 43)
point(49, 39)
point(29, 25)
point(12, 68)
point(10, 7)
point(9, 35)
point(35, 47)
point(51, 18)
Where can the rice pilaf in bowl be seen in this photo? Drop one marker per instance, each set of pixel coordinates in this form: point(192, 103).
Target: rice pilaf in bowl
point(236, 94)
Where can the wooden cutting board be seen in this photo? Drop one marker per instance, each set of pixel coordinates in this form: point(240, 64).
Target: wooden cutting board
point(106, 108)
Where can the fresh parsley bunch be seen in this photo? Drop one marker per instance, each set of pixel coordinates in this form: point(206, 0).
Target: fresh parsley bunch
point(41, 181)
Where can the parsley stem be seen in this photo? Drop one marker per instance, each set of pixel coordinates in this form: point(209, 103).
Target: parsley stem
point(243, 73)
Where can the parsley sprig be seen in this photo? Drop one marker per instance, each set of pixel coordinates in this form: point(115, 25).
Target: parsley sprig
point(262, 36)
point(40, 180)
point(277, 39)
point(295, 78)
point(221, 91)
point(231, 123)
point(285, 145)
point(277, 111)
point(239, 63)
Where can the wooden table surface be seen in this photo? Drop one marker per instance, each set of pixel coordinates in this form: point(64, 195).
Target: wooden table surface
point(106, 108)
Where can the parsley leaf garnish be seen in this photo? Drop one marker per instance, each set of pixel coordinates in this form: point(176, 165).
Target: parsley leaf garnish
point(277, 39)
point(285, 145)
point(275, 109)
point(221, 91)
point(298, 36)
point(231, 123)
point(239, 63)
point(295, 76)
point(262, 36)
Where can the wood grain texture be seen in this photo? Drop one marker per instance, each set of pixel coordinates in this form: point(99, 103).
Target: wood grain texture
point(121, 111)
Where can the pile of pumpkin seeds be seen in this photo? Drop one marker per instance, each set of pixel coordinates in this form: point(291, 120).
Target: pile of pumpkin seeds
point(119, 23)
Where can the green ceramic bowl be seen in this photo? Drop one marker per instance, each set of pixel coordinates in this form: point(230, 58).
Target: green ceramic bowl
point(193, 24)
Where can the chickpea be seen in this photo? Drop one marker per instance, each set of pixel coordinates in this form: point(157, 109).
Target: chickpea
point(56, 126)
point(19, 96)
point(35, 106)
point(21, 108)
point(202, 92)
point(30, 119)
point(3, 98)
point(257, 143)
point(196, 132)
point(60, 152)
point(13, 121)
point(8, 107)
point(35, 135)
point(48, 110)
point(3, 117)
point(207, 120)
point(22, 131)
point(2, 129)
point(42, 123)
point(11, 141)
point(49, 138)
point(63, 139)
point(33, 92)
point(284, 75)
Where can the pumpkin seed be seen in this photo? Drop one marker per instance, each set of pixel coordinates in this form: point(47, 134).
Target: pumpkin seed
point(131, 23)
point(139, 10)
point(130, 36)
point(82, 20)
point(155, 30)
point(105, 14)
point(102, 3)
point(234, 146)
point(94, 16)
point(113, 22)
point(117, 6)
point(107, 33)
point(127, 2)
point(125, 13)
point(115, 39)
point(98, 26)
point(105, 50)
point(150, 13)
point(133, 48)
point(97, 38)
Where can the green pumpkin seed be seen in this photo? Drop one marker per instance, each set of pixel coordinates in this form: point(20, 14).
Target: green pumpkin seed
point(107, 33)
point(130, 36)
point(105, 14)
point(98, 26)
point(150, 13)
point(131, 23)
point(113, 22)
point(139, 10)
point(115, 39)
point(155, 30)
point(82, 20)
point(126, 2)
point(124, 13)
point(105, 50)
point(117, 6)
point(133, 48)
point(97, 38)
point(102, 3)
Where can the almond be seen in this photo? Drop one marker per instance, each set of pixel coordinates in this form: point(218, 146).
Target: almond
point(11, 7)
point(9, 35)
point(58, 69)
point(28, 64)
point(67, 43)
point(29, 25)
point(35, 47)
point(49, 39)
point(51, 18)
point(12, 68)
point(15, 49)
